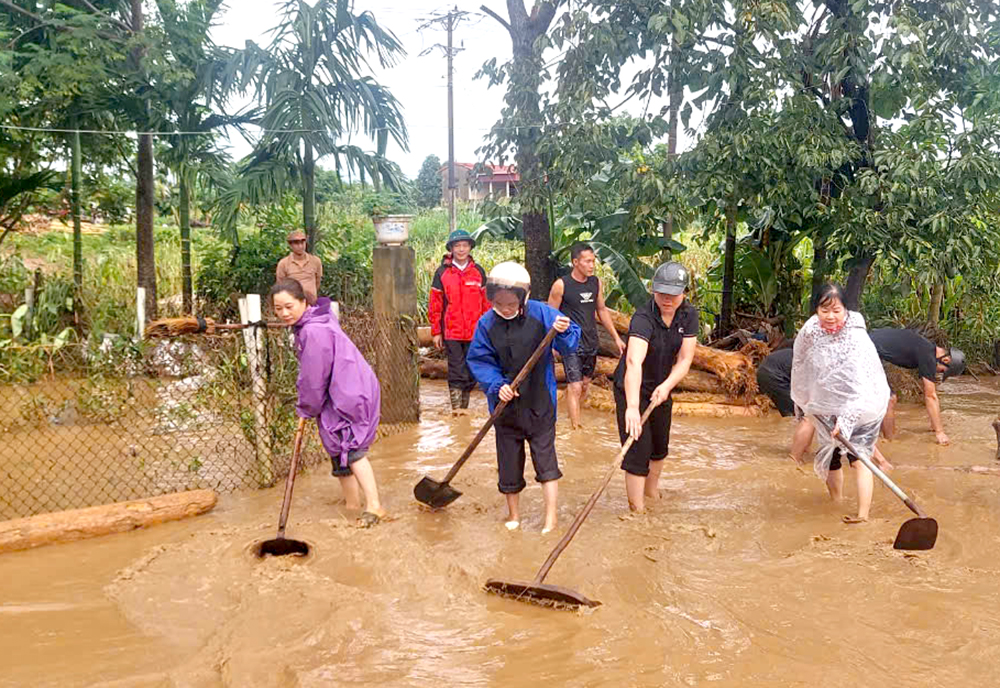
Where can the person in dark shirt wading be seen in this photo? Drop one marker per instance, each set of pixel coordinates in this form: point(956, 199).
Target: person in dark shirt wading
point(505, 339)
point(457, 299)
point(909, 349)
point(580, 296)
point(659, 350)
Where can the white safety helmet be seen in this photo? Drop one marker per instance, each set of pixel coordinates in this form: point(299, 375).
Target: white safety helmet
point(511, 276)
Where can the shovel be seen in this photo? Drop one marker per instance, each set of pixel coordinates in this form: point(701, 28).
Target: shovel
point(537, 592)
point(916, 534)
point(440, 494)
point(280, 545)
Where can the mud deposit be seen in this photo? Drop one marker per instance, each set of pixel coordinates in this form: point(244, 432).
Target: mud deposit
point(742, 575)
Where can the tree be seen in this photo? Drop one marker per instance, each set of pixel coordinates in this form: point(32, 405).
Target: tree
point(839, 81)
point(520, 130)
point(313, 80)
point(66, 62)
point(198, 76)
point(429, 183)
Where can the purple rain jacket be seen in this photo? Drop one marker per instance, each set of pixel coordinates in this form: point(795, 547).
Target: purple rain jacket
point(336, 385)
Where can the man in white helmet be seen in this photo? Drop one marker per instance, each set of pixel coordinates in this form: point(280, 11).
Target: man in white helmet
point(504, 340)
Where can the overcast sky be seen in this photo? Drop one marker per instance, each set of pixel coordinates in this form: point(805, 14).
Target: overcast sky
point(420, 82)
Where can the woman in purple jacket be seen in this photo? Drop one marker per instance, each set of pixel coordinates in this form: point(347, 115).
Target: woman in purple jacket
point(336, 387)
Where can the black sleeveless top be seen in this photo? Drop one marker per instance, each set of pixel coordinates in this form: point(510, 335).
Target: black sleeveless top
point(579, 304)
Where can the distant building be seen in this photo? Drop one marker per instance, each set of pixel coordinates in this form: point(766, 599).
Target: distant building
point(499, 182)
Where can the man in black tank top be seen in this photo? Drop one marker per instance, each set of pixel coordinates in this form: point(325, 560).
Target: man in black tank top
point(580, 296)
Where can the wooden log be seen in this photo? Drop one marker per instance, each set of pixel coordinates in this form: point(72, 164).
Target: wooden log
point(694, 381)
point(424, 337)
point(733, 368)
point(700, 381)
point(605, 344)
point(718, 410)
point(690, 404)
point(620, 320)
point(433, 368)
point(80, 524)
point(709, 398)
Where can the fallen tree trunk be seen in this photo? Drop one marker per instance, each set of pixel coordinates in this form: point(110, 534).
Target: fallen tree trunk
point(690, 404)
point(733, 368)
point(694, 381)
point(717, 410)
point(605, 344)
point(80, 524)
point(433, 368)
point(700, 381)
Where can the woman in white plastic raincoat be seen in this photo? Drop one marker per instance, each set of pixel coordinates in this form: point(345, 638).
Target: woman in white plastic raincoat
point(838, 380)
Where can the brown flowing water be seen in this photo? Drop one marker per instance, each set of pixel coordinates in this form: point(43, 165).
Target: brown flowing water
point(742, 575)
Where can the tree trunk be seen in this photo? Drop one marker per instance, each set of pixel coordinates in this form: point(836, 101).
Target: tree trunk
point(186, 285)
point(537, 247)
point(729, 267)
point(76, 175)
point(144, 195)
point(309, 197)
point(144, 240)
point(934, 311)
point(675, 89)
point(819, 266)
point(525, 80)
point(121, 517)
point(856, 281)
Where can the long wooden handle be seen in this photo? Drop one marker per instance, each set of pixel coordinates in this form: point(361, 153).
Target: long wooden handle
point(243, 326)
point(290, 480)
point(910, 504)
point(525, 370)
point(589, 506)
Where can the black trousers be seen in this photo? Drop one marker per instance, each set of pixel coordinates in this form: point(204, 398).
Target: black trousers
point(653, 443)
point(459, 376)
point(513, 428)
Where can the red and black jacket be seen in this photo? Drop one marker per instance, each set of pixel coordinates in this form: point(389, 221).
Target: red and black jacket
point(457, 299)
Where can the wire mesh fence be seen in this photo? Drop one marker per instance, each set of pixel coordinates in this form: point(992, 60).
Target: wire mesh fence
point(92, 424)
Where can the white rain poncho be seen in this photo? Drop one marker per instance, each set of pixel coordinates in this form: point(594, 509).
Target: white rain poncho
point(839, 378)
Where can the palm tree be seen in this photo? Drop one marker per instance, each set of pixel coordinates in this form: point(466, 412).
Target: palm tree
point(203, 75)
point(314, 79)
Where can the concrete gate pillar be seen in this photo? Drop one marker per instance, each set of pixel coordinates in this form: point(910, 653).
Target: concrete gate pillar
point(395, 333)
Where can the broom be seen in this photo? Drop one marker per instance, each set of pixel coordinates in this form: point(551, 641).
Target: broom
point(176, 327)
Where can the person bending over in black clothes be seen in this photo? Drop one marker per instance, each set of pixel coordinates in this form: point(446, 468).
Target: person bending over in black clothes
point(909, 349)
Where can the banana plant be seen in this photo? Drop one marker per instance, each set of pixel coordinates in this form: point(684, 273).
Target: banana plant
point(612, 242)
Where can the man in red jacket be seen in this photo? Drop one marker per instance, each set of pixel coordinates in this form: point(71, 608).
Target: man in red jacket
point(457, 299)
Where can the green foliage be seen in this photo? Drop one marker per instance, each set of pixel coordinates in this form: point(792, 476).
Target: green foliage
point(115, 199)
point(315, 83)
point(429, 183)
point(233, 271)
point(381, 203)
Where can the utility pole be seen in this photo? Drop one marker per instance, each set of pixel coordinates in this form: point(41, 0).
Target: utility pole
point(450, 21)
point(452, 185)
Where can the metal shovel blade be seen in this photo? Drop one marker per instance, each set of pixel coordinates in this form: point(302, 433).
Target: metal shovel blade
point(434, 494)
point(545, 595)
point(280, 547)
point(917, 534)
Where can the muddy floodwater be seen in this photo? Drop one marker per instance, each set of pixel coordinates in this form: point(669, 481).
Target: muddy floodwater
point(742, 575)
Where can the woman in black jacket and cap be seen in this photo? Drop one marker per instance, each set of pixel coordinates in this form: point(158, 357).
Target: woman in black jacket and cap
point(659, 350)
